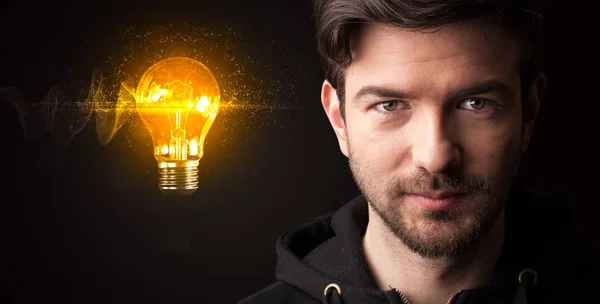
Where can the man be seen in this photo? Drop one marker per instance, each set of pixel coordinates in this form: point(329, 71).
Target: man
point(433, 103)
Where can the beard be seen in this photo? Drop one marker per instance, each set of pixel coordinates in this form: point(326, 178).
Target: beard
point(436, 234)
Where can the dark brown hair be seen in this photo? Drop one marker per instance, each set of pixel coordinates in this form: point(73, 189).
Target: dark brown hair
point(337, 20)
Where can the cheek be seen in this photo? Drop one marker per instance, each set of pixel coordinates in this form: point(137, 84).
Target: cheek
point(491, 150)
point(381, 152)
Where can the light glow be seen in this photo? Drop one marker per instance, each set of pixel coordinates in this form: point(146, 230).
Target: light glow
point(171, 89)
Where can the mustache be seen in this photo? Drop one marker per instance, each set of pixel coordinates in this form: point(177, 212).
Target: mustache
point(422, 181)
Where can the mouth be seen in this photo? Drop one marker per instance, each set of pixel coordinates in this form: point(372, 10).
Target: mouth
point(437, 200)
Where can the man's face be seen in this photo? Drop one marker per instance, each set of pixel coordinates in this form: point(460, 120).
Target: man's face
point(431, 115)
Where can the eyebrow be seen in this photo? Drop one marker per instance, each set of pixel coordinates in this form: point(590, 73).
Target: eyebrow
point(477, 89)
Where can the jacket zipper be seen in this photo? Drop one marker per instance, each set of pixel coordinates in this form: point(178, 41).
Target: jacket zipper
point(452, 297)
point(405, 300)
point(402, 296)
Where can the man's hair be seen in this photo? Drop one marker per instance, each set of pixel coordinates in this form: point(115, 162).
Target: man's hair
point(337, 20)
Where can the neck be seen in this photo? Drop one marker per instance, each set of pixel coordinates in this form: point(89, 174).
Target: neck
point(424, 280)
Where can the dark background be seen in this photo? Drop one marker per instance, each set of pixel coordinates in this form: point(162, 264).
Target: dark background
point(87, 224)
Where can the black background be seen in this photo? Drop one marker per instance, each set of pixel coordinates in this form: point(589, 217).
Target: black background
point(87, 224)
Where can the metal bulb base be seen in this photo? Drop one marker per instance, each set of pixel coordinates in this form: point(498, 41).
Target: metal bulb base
point(178, 180)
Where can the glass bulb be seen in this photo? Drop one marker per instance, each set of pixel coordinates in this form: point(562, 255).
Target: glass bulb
point(178, 99)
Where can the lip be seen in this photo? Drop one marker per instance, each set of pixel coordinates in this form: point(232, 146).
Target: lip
point(437, 194)
point(436, 201)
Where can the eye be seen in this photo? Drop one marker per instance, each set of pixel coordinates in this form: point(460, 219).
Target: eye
point(474, 104)
point(390, 105)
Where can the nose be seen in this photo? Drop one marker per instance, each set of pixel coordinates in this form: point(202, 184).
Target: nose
point(434, 147)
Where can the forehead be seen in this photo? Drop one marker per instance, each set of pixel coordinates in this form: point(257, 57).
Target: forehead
point(460, 50)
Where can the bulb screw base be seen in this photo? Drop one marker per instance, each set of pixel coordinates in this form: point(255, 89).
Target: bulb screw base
point(178, 180)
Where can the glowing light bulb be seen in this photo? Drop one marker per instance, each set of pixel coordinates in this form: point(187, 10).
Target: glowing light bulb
point(178, 99)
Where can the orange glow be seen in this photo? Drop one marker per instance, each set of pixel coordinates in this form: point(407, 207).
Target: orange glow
point(203, 104)
point(178, 100)
point(194, 147)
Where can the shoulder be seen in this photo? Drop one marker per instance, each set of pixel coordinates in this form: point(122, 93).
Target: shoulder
point(279, 292)
point(579, 286)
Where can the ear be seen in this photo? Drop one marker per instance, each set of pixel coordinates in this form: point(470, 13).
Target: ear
point(536, 93)
point(331, 105)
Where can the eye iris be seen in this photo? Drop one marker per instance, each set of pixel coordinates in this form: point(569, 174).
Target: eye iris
point(390, 105)
point(477, 104)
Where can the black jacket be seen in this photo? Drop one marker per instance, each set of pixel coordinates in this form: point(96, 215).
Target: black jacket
point(539, 235)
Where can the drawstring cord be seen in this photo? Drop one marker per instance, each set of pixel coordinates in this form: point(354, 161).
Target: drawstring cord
point(527, 279)
point(332, 294)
